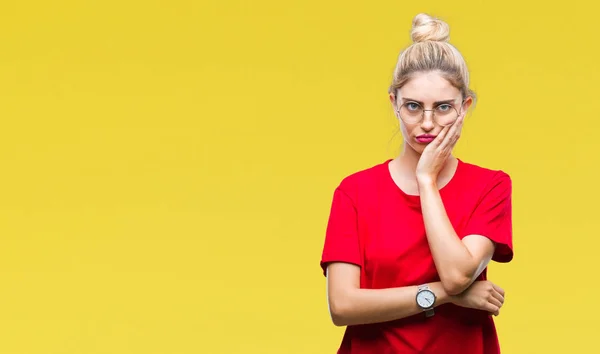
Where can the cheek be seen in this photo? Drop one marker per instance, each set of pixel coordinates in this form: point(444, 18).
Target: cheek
point(403, 129)
point(406, 130)
point(406, 134)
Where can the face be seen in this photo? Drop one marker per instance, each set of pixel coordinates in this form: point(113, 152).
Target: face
point(428, 91)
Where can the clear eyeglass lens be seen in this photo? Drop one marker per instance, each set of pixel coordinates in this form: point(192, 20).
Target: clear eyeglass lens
point(443, 114)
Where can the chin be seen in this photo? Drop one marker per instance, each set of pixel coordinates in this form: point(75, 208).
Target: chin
point(418, 148)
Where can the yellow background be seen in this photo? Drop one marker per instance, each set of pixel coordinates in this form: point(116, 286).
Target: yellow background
point(168, 166)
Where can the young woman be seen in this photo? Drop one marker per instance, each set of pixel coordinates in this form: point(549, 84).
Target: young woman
point(409, 239)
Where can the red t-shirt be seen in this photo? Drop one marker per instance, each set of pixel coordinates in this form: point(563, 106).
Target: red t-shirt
point(378, 227)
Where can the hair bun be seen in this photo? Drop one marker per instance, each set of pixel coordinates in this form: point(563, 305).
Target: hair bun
point(428, 28)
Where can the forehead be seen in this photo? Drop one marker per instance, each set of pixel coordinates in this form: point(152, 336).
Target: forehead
point(428, 88)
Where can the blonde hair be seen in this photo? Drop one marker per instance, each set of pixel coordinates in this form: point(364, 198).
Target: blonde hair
point(431, 51)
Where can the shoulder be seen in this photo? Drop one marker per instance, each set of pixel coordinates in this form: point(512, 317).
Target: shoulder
point(486, 179)
point(363, 179)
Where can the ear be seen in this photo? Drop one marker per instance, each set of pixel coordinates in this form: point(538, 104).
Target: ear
point(393, 102)
point(466, 105)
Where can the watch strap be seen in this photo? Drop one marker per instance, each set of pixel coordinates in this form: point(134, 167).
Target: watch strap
point(429, 311)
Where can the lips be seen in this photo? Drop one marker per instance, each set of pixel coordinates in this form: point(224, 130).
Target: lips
point(425, 138)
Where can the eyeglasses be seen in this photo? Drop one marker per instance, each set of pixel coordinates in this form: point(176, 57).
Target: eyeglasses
point(443, 114)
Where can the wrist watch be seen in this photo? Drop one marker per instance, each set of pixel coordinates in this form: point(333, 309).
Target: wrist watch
point(426, 300)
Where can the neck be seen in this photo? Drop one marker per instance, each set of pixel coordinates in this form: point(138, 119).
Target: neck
point(403, 170)
point(408, 158)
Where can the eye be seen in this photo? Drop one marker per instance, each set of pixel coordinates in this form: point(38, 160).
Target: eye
point(412, 106)
point(444, 107)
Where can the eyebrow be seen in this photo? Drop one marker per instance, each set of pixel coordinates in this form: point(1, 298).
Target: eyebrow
point(435, 103)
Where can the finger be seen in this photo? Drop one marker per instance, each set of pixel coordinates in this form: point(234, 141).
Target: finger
point(495, 301)
point(448, 134)
point(458, 131)
point(452, 134)
point(493, 309)
point(498, 289)
point(460, 120)
point(498, 296)
point(442, 136)
point(497, 313)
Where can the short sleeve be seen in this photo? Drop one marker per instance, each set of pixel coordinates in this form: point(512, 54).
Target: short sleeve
point(341, 236)
point(492, 217)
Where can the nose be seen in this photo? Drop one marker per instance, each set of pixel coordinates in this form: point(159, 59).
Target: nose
point(427, 123)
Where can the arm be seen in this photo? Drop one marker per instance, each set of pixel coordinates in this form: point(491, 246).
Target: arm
point(459, 262)
point(351, 305)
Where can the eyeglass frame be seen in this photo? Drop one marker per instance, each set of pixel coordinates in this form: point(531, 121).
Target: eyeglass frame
point(430, 110)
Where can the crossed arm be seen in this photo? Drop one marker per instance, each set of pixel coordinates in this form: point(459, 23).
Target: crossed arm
point(459, 263)
point(350, 305)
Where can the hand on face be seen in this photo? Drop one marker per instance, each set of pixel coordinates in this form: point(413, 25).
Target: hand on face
point(436, 153)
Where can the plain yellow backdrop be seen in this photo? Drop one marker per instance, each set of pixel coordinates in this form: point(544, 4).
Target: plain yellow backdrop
point(168, 166)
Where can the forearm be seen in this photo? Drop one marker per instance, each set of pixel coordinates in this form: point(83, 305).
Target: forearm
point(456, 266)
point(364, 306)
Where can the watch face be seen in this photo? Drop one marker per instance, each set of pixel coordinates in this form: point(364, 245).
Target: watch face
point(425, 299)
